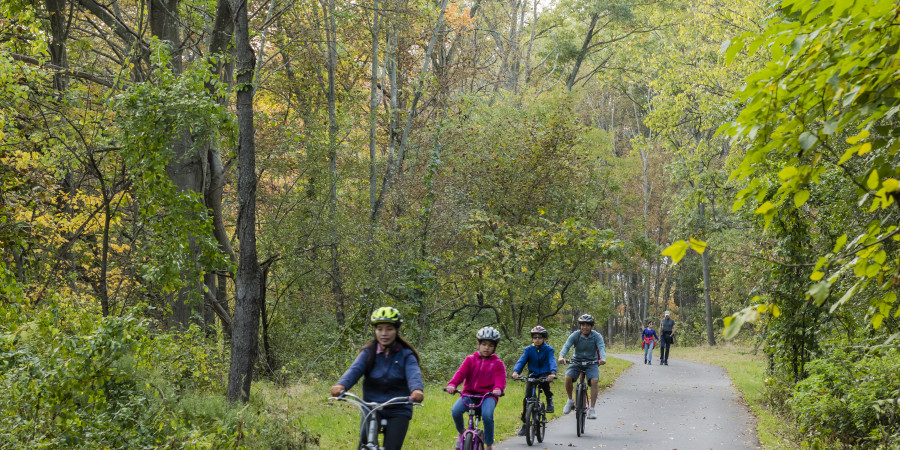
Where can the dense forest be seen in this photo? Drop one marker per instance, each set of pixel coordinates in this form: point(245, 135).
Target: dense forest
point(200, 196)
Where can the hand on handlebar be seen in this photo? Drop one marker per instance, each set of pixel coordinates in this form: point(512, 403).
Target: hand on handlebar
point(417, 396)
point(515, 375)
point(562, 359)
point(337, 390)
point(450, 389)
point(602, 362)
point(551, 377)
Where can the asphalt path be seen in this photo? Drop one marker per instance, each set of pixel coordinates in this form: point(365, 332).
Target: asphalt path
point(684, 406)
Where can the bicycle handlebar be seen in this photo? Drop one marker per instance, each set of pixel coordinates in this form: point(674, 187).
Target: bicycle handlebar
point(532, 379)
point(581, 363)
point(348, 397)
point(482, 397)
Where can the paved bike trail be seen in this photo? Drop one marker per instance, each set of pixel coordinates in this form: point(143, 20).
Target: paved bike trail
point(684, 406)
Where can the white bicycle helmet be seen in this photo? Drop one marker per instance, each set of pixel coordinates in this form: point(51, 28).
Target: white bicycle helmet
point(488, 334)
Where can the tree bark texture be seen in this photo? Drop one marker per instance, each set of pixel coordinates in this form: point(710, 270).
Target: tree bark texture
point(710, 336)
point(245, 338)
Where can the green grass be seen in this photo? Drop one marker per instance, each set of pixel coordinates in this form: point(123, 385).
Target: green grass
point(336, 423)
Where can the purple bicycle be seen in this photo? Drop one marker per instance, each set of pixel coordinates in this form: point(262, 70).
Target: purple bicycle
point(472, 438)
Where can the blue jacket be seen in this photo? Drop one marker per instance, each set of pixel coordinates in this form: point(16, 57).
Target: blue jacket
point(394, 374)
point(540, 360)
point(586, 348)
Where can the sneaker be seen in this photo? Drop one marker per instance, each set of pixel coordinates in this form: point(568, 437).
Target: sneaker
point(523, 430)
point(592, 414)
point(666, 363)
point(550, 409)
point(568, 407)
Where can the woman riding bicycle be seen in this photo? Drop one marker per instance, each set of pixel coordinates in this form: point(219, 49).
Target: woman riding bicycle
point(482, 372)
point(589, 346)
point(391, 369)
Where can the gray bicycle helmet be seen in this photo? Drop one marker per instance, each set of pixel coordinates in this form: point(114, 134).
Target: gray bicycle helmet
point(586, 318)
point(488, 334)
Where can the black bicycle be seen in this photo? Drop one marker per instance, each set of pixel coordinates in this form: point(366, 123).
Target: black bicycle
point(371, 424)
point(535, 410)
point(582, 402)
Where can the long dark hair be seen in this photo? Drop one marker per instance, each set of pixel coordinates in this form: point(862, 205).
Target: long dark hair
point(374, 342)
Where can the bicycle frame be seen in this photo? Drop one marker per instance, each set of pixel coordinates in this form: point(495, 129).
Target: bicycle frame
point(535, 420)
point(472, 434)
point(370, 419)
point(582, 400)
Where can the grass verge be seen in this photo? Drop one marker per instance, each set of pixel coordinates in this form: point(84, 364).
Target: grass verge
point(336, 423)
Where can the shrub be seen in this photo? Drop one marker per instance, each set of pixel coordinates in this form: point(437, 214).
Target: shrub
point(850, 398)
point(79, 381)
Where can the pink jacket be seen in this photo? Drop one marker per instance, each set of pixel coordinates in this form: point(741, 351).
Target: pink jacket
point(480, 375)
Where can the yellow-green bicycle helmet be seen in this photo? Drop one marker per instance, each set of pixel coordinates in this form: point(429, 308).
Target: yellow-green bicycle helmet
point(386, 314)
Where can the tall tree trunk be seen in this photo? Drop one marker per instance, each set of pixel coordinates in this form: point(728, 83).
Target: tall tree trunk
point(392, 169)
point(373, 104)
point(245, 340)
point(530, 42)
point(337, 285)
point(582, 54)
point(56, 9)
point(710, 336)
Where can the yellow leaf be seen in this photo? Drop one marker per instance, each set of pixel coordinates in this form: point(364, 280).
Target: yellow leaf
point(862, 135)
point(776, 311)
point(676, 251)
point(872, 181)
point(727, 321)
point(764, 208)
point(698, 246)
point(865, 148)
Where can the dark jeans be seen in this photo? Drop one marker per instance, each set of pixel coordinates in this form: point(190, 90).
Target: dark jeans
point(529, 387)
point(394, 431)
point(665, 343)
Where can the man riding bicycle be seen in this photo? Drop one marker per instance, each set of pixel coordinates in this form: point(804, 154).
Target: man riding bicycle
point(588, 346)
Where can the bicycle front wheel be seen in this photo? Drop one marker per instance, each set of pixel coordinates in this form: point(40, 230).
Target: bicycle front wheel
point(469, 443)
point(539, 424)
point(529, 424)
point(579, 409)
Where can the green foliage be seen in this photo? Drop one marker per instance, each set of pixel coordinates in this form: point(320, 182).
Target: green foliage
point(79, 382)
point(154, 116)
point(828, 101)
point(851, 398)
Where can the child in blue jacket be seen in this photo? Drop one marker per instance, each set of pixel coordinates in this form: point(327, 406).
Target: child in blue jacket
point(541, 363)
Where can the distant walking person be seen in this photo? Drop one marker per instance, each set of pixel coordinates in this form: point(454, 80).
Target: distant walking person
point(649, 338)
point(668, 337)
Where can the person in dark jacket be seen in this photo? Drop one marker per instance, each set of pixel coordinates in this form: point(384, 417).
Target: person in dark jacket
point(391, 369)
point(668, 338)
point(539, 358)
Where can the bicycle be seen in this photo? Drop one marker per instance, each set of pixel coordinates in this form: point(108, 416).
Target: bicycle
point(371, 424)
point(582, 402)
point(472, 438)
point(535, 411)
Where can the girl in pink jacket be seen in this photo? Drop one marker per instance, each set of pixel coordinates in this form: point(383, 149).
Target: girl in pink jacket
point(482, 372)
